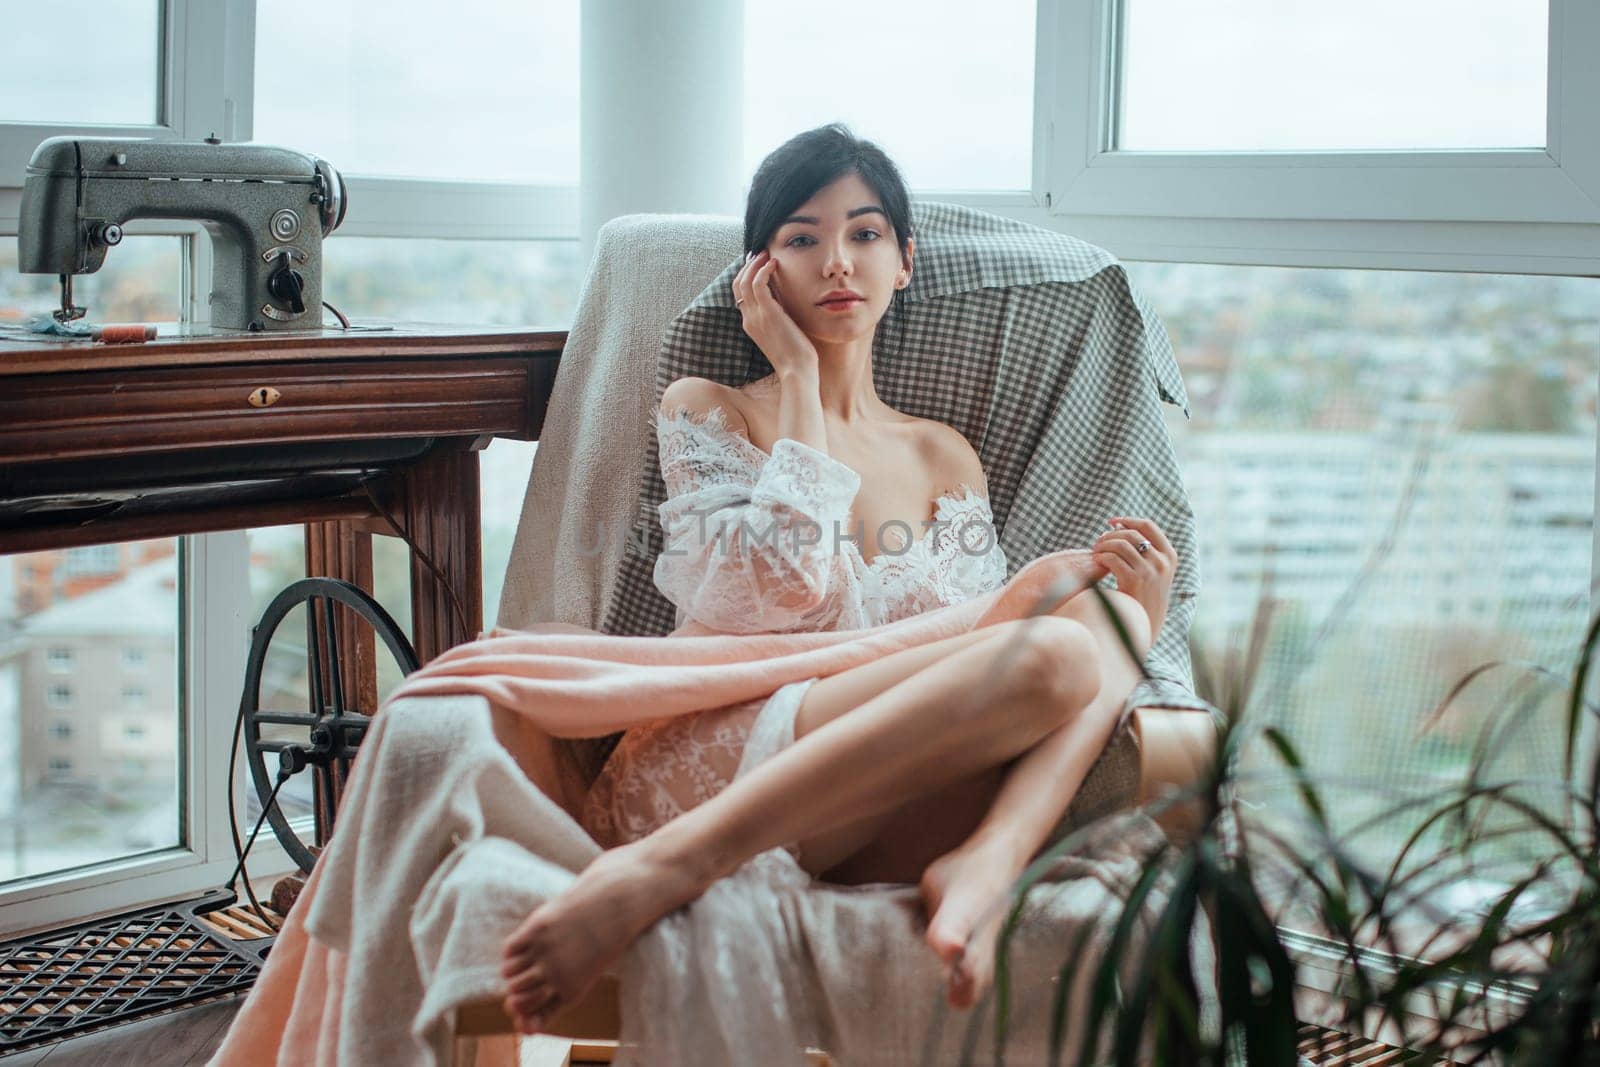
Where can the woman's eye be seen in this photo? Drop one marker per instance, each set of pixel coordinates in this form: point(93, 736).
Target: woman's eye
point(790, 243)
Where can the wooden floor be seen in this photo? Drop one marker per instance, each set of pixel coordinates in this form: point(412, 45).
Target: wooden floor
point(189, 1037)
point(181, 1038)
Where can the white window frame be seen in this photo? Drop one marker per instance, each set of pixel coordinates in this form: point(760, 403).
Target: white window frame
point(207, 79)
point(1556, 184)
point(212, 645)
point(1523, 211)
point(206, 87)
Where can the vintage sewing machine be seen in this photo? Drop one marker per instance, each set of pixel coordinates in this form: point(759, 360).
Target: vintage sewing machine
point(267, 210)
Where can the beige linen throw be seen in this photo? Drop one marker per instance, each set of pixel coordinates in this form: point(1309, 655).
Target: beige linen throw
point(457, 824)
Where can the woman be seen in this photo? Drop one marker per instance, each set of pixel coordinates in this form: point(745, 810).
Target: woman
point(944, 765)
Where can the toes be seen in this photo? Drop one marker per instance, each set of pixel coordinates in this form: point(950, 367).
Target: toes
point(528, 979)
point(963, 987)
point(532, 998)
point(971, 978)
point(514, 961)
point(947, 942)
point(525, 937)
point(521, 952)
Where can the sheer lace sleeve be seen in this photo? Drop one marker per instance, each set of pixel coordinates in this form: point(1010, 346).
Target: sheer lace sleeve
point(977, 562)
point(748, 538)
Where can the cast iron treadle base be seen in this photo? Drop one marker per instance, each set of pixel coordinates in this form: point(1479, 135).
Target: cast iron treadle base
point(59, 983)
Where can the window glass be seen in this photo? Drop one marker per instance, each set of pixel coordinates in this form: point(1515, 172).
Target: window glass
point(51, 72)
point(532, 283)
point(140, 282)
point(1264, 75)
point(944, 89)
point(1412, 456)
point(522, 283)
point(88, 766)
point(488, 91)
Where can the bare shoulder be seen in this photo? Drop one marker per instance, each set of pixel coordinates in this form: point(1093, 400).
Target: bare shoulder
point(952, 461)
point(698, 396)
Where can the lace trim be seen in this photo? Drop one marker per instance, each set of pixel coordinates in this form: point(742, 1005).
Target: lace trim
point(707, 466)
point(713, 429)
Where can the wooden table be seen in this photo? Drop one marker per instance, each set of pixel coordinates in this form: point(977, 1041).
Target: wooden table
point(179, 435)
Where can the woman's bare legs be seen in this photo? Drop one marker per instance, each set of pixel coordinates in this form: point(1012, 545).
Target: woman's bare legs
point(966, 890)
point(896, 845)
point(932, 728)
point(967, 842)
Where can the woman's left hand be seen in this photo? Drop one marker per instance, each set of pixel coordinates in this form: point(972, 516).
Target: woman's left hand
point(1146, 576)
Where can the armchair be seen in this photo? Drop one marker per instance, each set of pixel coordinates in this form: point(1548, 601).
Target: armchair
point(1031, 343)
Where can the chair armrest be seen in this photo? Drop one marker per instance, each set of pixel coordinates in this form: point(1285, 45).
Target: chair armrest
point(1176, 748)
point(593, 1023)
point(597, 1015)
point(1153, 749)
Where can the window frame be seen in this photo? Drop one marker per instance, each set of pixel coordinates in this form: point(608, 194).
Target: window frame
point(202, 87)
point(1459, 198)
point(1408, 211)
point(212, 642)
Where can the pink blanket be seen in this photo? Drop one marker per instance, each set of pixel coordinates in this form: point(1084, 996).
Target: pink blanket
point(558, 685)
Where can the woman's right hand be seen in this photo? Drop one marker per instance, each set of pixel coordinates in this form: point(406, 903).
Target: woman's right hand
point(778, 336)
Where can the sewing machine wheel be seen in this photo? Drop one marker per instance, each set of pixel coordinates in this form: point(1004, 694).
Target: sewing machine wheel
point(333, 730)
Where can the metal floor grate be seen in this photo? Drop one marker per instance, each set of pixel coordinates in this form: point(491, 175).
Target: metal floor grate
point(59, 983)
point(1330, 1048)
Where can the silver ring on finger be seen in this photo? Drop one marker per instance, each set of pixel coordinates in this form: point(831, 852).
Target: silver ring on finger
point(736, 303)
point(1142, 546)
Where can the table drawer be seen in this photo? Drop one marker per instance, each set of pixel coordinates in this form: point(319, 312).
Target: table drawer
point(85, 415)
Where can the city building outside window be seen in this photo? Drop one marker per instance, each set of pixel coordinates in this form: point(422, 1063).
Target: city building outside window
point(91, 560)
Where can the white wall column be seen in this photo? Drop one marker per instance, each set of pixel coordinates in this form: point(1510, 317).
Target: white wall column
point(662, 110)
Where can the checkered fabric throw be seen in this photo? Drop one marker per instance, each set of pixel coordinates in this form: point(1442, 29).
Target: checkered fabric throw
point(1035, 346)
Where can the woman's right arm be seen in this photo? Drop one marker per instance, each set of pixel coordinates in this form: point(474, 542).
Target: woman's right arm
point(790, 352)
point(743, 553)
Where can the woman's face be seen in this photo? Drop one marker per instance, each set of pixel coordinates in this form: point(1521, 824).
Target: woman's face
point(839, 239)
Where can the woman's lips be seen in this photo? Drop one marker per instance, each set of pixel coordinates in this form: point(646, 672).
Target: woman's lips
point(843, 304)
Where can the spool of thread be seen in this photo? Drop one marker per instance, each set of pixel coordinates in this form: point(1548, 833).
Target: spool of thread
point(128, 334)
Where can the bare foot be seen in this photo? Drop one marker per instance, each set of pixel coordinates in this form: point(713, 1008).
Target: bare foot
point(569, 941)
point(966, 893)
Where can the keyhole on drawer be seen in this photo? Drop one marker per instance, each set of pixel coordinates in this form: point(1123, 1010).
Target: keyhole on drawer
point(264, 396)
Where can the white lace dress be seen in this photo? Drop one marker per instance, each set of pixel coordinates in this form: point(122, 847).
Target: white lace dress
point(759, 543)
